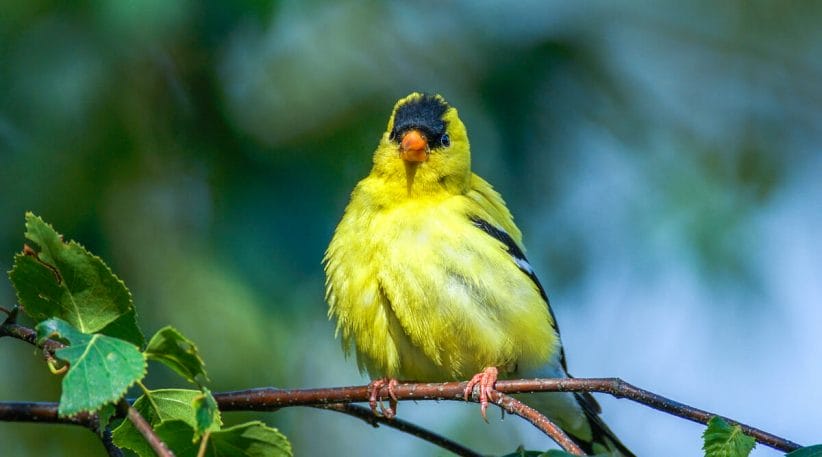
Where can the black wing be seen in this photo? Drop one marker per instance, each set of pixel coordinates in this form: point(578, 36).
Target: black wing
point(522, 263)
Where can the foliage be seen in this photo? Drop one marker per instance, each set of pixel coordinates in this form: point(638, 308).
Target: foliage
point(724, 440)
point(101, 367)
point(810, 451)
point(171, 348)
point(76, 299)
point(64, 280)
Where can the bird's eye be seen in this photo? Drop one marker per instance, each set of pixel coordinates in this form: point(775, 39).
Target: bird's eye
point(445, 141)
point(392, 136)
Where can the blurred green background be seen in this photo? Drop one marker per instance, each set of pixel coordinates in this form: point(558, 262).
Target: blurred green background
point(661, 159)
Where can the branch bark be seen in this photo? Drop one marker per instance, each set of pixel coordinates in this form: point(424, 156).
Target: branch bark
point(46, 413)
point(29, 336)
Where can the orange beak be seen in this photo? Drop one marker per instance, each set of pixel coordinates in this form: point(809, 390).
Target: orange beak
point(414, 146)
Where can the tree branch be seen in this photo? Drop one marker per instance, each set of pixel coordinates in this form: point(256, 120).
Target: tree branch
point(514, 406)
point(269, 398)
point(266, 399)
point(41, 412)
point(46, 413)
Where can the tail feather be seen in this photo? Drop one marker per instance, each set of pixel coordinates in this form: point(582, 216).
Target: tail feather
point(602, 440)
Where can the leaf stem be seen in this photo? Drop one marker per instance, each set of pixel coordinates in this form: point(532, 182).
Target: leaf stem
point(51, 362)
point(147, 395)
point(203, 444)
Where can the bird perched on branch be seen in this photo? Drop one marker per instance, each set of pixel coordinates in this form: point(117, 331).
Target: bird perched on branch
point(427, 278)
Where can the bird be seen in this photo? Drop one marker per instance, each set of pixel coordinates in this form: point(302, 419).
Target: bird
point(427, 279)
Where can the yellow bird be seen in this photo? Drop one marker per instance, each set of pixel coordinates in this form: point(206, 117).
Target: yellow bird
point(427, 278)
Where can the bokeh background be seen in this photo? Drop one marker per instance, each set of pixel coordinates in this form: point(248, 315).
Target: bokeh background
point(662, 159)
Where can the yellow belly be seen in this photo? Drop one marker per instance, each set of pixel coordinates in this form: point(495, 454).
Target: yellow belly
point(425, 295)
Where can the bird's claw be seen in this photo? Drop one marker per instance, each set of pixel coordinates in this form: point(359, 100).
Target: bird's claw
point(374, 387)
point(486, 380)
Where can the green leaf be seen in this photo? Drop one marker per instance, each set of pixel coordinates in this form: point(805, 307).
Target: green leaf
point(723, 440)
point(206, 413)
point(104, 416)
point(158, 406)
point(252, 439)
point(64, 280)
point(177, 352)
point(125, 327)
point(809, 451)
point(179, 437)
point(101, 367)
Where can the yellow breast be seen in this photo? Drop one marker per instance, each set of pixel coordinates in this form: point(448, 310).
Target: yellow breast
point(423, 294)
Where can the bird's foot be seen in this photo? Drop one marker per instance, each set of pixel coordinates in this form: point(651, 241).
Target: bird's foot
point(374, 387)
point(486, 380)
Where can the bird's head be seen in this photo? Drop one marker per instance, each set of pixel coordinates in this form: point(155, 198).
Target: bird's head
point(425, 147)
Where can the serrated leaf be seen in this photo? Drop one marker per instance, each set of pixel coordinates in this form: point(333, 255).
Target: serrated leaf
point(64, 280)
point(206, 413)
point(723, 440)
point(101, 367)
point(158, 406)
point(808, 451)
point(170, 347)
point(252, 439)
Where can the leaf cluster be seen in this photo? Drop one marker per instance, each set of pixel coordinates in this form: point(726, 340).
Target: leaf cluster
point(76, 299)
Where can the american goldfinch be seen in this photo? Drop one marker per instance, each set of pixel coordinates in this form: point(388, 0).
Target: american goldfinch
point(427, 278)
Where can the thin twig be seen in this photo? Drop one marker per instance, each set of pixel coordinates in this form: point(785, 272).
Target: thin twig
point(514, 406)
point(401, 425)
point(203, 444)
point(145, 429)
